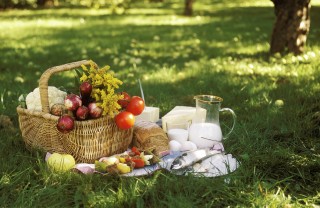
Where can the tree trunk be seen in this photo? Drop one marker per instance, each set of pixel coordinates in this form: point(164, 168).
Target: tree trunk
point(291, 27)
point(188, 8)
point(6, 4)
point(45, 3)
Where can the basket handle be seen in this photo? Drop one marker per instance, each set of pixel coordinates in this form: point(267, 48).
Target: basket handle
point(43, 82)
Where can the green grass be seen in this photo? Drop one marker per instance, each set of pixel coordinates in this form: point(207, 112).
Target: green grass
point(222, 50)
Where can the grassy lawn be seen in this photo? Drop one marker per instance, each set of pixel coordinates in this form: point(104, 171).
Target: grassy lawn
point(221, 50)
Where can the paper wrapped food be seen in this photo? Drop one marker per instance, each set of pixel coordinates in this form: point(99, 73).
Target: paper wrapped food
point(148, 135)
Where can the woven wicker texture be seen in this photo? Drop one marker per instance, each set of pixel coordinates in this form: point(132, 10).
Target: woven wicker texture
point(87, 142)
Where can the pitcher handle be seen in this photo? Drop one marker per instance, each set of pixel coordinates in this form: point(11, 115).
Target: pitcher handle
point(234, 120)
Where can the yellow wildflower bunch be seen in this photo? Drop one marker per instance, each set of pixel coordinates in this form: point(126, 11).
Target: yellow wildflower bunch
point(103, 87)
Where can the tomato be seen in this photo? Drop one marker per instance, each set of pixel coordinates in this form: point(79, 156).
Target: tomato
point(135, 151)
point(125, 120)
point(128, 159)
point(135, 106)
point(138, 162)
point(125, 101)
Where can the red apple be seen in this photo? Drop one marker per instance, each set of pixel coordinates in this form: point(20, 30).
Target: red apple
point(72, 102)
point(126, 99)
point(85, 89)
point(82, 112)
point(65, 124)
point(95, 111)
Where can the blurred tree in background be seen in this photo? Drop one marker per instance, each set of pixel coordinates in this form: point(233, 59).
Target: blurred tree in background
point(188, 8)
point(291, 27)
point(6, 4)
point(45, 3)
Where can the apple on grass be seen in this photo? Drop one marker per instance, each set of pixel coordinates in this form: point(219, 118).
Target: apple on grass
point(61, 162)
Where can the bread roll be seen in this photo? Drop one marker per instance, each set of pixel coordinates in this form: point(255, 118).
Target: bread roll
point(148, 135)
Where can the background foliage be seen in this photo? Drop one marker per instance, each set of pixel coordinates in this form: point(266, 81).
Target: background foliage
point(112, 4)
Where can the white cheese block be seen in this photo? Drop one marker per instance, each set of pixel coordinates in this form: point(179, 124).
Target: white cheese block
point(178, 114)
point(149, 114)
point(182, 115)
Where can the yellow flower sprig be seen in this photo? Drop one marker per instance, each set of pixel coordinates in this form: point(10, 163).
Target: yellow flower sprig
point(103, 87)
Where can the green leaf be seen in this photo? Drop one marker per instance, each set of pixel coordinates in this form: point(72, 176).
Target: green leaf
point(78, 73)
point(77, 77)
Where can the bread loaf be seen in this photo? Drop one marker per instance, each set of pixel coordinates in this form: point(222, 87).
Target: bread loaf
point(148, 135)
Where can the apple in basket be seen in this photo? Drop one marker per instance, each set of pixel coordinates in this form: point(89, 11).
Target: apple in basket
point(65, 123)
point(57, 109)
point(61, 162)
point(125, 101)
point(85, 89)
point(82, 113)
point(95, 111)
point(72, 102)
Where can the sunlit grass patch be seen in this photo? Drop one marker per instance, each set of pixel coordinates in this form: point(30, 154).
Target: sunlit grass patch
point(41, 23)
point(165, 20)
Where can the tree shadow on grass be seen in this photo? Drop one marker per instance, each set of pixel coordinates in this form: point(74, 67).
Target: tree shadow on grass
point(262, 56)
point(215, 36)
point(155, 45)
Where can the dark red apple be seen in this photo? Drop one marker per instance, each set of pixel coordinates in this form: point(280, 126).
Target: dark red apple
point(95, 111)
point(72, 102)
point(85, 89)
point(65, 124)
point(126, 99)
point(82, 113)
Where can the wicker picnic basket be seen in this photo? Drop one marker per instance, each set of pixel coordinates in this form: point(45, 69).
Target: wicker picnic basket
point(88, 141)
